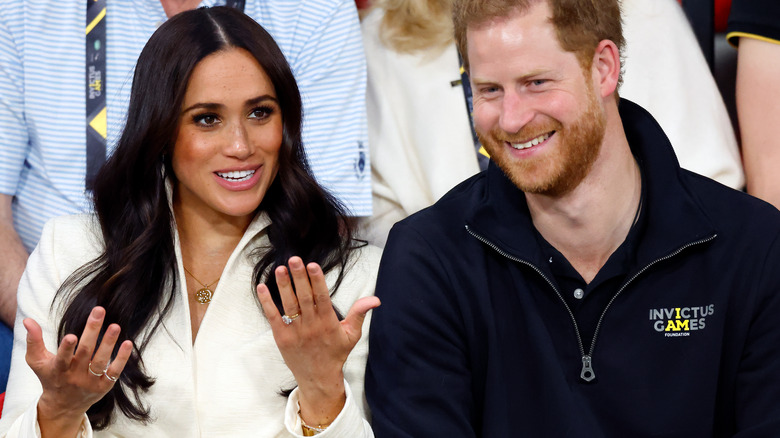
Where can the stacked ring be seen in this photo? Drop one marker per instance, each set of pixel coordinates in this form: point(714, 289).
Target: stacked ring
point(113, 379)
point(89, 367)
point(289, 319)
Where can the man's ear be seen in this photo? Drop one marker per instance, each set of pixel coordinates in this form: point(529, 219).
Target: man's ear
point(606, 67)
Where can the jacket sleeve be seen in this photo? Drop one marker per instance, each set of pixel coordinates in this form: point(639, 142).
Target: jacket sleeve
point(14, 145)
point(758, 375)
point(37, 288)
point(418, 379)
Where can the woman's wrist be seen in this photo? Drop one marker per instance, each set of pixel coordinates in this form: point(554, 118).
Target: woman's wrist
point(58, 422)
point(320, 405)
point(309, 430)
point(321, 412)
point(53, 410)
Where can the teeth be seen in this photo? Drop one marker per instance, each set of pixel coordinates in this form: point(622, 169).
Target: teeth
point(237, 175)
point(530, 143)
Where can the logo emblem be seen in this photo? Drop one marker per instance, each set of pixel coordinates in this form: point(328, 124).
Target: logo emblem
point(680, 321)
point(359, 165)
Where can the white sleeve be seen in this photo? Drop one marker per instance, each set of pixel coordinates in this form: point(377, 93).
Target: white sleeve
point(37, 288)
point(349, 423)
point(26, 426)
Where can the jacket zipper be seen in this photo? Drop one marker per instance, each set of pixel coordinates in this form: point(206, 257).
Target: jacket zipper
point(587, 374)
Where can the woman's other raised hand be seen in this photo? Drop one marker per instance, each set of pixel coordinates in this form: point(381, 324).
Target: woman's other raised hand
point(74, 381)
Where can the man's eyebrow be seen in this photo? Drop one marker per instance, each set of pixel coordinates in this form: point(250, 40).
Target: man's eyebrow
point(523, 77)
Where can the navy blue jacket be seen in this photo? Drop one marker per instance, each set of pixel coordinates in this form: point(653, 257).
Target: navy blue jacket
point(473, 337)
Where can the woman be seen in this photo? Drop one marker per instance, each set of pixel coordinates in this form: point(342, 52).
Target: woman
point(207, 195)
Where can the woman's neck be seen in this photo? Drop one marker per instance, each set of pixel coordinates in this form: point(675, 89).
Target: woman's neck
point(207, 239)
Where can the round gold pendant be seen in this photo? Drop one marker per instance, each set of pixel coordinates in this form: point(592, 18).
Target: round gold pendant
point(204, 295)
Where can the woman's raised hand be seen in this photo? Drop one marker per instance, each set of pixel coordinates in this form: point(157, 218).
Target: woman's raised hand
point(72, 382)
point(313, 342)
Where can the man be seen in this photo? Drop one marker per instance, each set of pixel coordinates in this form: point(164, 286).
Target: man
point(44, 166)
point(422, 147)
point(584, 285)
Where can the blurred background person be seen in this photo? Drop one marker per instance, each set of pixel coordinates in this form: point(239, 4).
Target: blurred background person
point(419, 129)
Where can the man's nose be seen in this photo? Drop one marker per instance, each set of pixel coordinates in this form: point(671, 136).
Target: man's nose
point(515, 112)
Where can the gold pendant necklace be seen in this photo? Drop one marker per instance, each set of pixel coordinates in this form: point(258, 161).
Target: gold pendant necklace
point(204, 294)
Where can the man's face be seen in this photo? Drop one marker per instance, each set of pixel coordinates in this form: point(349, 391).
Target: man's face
point(535, 108)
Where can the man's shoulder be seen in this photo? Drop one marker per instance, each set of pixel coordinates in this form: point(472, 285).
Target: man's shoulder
point(733, 211)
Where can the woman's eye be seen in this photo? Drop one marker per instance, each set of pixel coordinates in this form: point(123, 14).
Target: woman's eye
point(262, 112)
point(205, 119)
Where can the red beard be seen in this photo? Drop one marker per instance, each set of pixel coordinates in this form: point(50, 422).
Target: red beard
point(559, 170)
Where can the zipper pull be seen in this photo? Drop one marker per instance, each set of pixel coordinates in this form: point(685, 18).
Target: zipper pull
point(587, 373)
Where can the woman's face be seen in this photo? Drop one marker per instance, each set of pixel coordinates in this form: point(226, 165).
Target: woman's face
point(229, 134)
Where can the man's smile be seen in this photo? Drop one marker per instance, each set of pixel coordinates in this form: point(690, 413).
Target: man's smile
point(532, 142)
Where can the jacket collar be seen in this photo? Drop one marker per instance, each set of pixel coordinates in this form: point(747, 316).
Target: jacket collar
point(673, 217)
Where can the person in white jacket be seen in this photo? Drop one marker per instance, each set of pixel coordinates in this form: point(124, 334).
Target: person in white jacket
point(420, 138)
point(183, 307)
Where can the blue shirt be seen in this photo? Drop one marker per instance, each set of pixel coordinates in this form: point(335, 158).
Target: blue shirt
point(42, 97)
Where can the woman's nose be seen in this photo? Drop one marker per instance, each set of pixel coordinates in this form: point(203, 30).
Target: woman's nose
point(238, 144)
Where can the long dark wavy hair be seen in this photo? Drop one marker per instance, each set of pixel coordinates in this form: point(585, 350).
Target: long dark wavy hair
point(135, 278)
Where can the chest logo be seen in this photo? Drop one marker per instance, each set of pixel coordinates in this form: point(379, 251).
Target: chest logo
point(680, 321)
